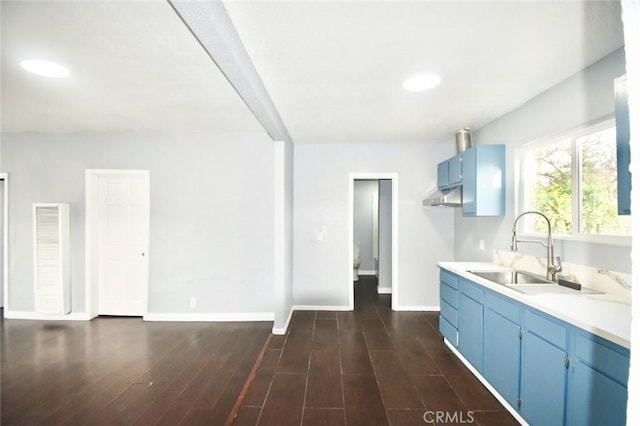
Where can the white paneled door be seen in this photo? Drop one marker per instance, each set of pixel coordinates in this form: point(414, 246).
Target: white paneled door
point(123, 238)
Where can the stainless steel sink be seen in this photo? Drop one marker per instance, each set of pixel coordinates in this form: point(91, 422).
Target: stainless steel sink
point(528, 283)
point(511, 277)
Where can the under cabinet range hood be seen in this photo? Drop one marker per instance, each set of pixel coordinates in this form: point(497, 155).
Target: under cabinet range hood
point(447, 197)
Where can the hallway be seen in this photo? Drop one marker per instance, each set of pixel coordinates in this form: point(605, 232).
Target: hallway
point(372, 366)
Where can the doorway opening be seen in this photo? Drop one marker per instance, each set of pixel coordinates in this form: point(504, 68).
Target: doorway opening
point(4, 242)
point(373, 232)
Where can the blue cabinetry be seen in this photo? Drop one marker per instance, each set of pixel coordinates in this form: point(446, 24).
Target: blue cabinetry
point(597, 382)
point(543, 371)
point(448, 321)
point(483, 181)
point(551, 372)
point(450, 172)
point(502, 337)
point(470, 322)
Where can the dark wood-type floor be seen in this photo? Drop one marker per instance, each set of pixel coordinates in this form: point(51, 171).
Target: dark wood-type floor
point(372, 366)
point(124, 371)
point(368, 367)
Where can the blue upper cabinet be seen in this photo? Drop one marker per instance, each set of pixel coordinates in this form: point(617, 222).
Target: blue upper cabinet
point(450, 172)
point(623, 147)
point(483, 181)
point(455, 170)
point(443, 174)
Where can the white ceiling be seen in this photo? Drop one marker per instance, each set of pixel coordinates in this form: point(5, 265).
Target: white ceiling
point(334, 70)
point(134, 67)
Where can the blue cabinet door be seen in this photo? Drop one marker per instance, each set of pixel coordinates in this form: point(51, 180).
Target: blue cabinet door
point(595, 399)
point(469, 182)
point(470, 330)
point(483, 181)
point(455, 170)
point(502, 355)
point(543, 381)
point(598, 377)
point(443, 174)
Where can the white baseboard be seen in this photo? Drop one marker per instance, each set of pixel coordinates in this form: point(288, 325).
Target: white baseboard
point(384, 290)
point(281, 331)
point(418, 308)
point(209, 317)
point(366, 272)
point(484, 381)
point(320, 308)
point(29, 315)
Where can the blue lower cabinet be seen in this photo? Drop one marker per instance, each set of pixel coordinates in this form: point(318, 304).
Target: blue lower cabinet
point(470, 330)
point(595, 399)
point(502, 354)
point(448, 321)
point(551, 372)
point(597, 382)
point(543, 382)
point(543, 371)
point(448, 331)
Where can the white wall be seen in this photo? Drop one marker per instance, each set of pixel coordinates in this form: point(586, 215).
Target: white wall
point(283, 235)
point(365, 205)
point(211, 230)
point(385, 201)
point(321, 197)
point(2, 230)
point(584, 98)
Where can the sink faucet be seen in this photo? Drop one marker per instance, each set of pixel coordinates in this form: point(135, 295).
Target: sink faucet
point(552, 268)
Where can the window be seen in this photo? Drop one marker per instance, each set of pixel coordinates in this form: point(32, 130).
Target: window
point(573, 180)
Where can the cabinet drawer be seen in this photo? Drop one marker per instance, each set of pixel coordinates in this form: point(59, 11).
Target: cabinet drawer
point(551, 331)
point(472, 290)
point(509, 310)
point(449, 313)
point(449, 278)
point(448, 331)
point(602, 358)
point(449, 295)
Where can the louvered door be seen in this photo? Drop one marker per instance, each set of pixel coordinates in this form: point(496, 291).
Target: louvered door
point(51, 258)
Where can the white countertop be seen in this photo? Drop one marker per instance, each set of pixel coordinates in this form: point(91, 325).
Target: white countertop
point(601, 314)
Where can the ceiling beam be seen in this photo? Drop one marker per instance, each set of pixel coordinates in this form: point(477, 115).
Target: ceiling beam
point(212, 27)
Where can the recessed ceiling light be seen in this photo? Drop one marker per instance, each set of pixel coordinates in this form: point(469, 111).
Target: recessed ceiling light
point(421, 82)
point(44, 68)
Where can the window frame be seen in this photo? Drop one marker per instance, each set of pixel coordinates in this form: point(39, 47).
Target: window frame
point(522, 192)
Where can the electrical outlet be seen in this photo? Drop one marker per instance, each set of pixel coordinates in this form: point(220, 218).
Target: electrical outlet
point(193, 302)
point(481, 245)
